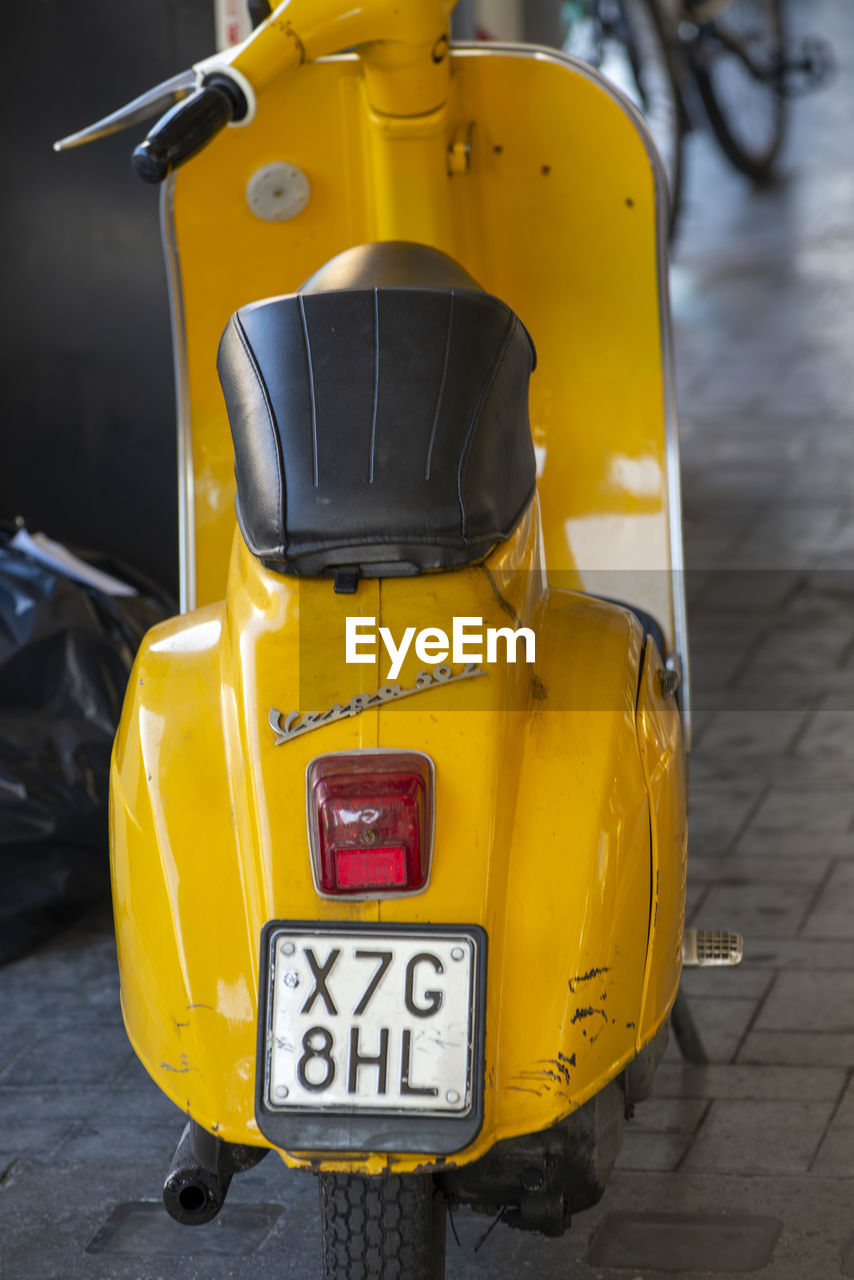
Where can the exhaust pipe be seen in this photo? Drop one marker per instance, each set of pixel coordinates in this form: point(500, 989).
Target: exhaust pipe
point(201, 1172)
point(192, 1194)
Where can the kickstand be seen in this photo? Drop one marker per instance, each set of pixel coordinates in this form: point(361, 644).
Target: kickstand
point(686, 1033)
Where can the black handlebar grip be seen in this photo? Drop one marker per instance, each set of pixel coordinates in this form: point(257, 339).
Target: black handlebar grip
point(188, 127)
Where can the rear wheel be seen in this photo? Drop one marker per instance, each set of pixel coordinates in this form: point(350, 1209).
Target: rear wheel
point(738, 65)
point(390, 1228)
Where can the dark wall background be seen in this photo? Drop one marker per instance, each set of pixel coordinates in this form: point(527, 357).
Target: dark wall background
point(86, 389)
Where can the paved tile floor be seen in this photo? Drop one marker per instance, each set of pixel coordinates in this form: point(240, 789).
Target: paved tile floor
point(763, 291)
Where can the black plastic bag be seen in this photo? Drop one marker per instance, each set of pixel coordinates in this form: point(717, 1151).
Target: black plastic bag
point(66, 650)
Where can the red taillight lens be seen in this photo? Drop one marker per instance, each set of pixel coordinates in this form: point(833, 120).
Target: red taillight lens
point(370, 818)
point(370, 868)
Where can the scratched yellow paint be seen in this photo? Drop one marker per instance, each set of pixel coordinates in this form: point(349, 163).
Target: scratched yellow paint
point(542, 826)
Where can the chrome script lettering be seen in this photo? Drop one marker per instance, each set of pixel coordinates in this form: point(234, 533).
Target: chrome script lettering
point(289, 726)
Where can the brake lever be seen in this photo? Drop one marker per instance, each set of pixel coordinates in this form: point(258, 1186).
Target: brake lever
point(152, 103)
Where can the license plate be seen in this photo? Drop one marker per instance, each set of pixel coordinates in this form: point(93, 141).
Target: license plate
point(368, 1021)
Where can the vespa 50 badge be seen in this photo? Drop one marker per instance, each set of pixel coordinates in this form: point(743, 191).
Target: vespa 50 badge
point(292, 725)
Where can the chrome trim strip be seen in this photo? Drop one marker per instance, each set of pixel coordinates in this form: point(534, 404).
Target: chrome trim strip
point(295, 723)
point(671, 426)
point(186, 478)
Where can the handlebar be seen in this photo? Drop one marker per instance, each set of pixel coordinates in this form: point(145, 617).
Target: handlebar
point(404, 48)
point(188, 127)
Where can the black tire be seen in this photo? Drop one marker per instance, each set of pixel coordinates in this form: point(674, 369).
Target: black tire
point(389, 1228)
point(737, 61)
point(625, 40)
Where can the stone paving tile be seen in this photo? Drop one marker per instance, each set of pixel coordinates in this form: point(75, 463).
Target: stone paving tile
point(811, 954)
point(140, 1105)
point(798, 1048)
point(845, 1111)
point(832, 916)
point(711, 679)
point(822, 595)
point(749, 733)
point(699, 721)
point(721, 1023)
point(659, 1152)
point(835, 1156)
point(47, 1240)
point(770, 695)
point(786, 821)
point(668, 1115)
point(718, 811)
point(61, 1055)
point(838, 548)
point(105, 1139)
point(758, 1137)
point(743, 982)
point(809, 1002)
point(704, 550)
point(785, 661)
point(15, 1038)
point(828, 479)
point(140, 1230)
point(24, 1134)
point(723, 633)
point(58, 1239)
point(792, 772)
point(829, 731)
point(815, 1214)
point(735, 1080)
point(803, 869)
point(694, 895)
point(786, 538)
point(763, 909)
point(81, 967)
point(681, 1243)
point(133, 1076)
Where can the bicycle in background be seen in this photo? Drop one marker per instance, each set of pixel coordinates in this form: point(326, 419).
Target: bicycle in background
point(732, 56)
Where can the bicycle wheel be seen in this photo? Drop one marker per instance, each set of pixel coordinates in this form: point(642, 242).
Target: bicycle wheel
point(390, 1228)
point(624, 39)
point(737, 59)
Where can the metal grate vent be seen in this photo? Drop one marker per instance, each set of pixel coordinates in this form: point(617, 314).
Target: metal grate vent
point(707, 947)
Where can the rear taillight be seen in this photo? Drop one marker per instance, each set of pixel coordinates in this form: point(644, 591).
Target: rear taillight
point(370, 822)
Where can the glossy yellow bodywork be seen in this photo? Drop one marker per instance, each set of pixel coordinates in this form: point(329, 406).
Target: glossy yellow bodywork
point(556, 214)
point(403, 48)
point(547, 778)
point(560, 797)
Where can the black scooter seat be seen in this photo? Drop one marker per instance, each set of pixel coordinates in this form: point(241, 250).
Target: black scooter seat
point(379, 417)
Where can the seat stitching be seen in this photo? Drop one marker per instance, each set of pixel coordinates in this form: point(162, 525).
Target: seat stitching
point(311, 386)
point(376, 384)
point(277, 444)
point(487, 384)
point(441, 387)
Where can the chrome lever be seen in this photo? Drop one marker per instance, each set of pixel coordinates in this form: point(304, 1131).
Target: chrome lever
point(151, 103)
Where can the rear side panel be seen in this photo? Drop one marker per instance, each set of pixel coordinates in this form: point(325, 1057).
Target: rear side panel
point(542, 829)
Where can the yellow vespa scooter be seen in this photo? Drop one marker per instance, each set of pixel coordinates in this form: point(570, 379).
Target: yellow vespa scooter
point(398, 803)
